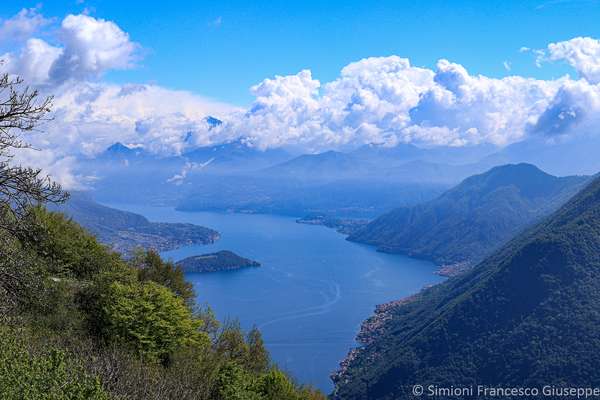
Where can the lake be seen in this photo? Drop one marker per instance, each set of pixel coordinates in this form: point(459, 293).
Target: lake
point(311, 293)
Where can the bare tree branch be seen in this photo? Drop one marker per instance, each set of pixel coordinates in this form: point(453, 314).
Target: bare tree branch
point(21, 188)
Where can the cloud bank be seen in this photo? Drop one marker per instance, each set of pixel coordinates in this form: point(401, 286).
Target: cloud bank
point(67, 59)
point(384, 100)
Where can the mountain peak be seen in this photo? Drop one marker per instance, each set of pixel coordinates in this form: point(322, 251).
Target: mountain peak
point(118, 148)
point(212, 122)
point(527, 178)
point(468, 221)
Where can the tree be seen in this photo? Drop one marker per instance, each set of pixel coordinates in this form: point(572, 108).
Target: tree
point(151, 267)
point(231, 343)
point(21, 110)
point(151, 318)
point(258, 356)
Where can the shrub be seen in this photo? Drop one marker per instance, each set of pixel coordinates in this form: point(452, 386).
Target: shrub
point(150, 318)
point(47, 375)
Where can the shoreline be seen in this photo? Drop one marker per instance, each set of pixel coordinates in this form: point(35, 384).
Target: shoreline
point(369, 329)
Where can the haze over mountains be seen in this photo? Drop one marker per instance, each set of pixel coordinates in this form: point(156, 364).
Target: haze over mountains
point(524, 317)
point(364, 182)
point(473, 218)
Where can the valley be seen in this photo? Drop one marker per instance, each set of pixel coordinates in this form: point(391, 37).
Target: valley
point(299, 201)
point(311, 292)
point(546, 269)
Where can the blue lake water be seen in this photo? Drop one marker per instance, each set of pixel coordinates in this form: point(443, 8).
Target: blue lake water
point(311, 293)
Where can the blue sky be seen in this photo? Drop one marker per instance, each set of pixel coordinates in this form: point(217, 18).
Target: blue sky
point(328, 75)
point(220, 48)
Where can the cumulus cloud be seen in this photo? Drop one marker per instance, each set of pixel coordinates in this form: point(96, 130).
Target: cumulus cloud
point(34, 61)
point(582, 53)
point(88, 47)
point(59, 168)
point(90, 116)
point(22, 26)
point(91, 47)
point(574, 109)
point(384, 100)
point(387, 100)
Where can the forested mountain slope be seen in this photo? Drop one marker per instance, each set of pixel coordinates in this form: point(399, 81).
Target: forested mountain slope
point(474, 218)
point(526, 316)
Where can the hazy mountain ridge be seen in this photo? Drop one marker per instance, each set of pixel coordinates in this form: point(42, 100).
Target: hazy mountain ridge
point(526, 316)
point(235, 176)
point(472, 219)
point(125, 231)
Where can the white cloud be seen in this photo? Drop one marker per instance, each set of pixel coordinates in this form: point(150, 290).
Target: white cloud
point(34, 61)
point(375, 100)
point(91, 47)
point(59, 168)
point(582, 53)
point(575, 109)
point(91, 116)
point(179, 179)
point(88, 47)
point(386, 100)
point(22, 26)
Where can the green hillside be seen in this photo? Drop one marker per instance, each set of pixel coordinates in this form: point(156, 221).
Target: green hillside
point(472, 219)
point(78, 322)
point(526, 316)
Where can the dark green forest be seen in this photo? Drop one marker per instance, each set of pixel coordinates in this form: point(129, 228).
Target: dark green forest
point(526, 316)
point(474, 218)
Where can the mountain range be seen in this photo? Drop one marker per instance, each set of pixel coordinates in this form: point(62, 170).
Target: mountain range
point(473, 218)
point(362, 182)
point(526, 316)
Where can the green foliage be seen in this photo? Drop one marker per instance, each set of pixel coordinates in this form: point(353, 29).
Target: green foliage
point(150, 318)
point(50, 374)
point(275, 385)
point(21, 277)
point(236, 383)
point(151, 267)
point(126, 329)
point(65, 246)
point(257, 357)
point(231, 343)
